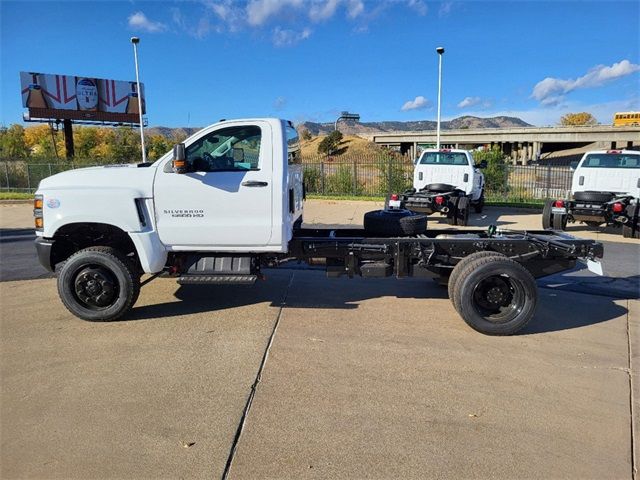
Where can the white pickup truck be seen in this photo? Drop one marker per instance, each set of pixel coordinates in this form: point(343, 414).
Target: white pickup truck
point(605, 189)
point(228, 203)
point(446, 181)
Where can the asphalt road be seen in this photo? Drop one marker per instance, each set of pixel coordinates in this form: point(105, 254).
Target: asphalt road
point(621, 265)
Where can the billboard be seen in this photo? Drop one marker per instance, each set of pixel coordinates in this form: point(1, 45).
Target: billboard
point(61, 97)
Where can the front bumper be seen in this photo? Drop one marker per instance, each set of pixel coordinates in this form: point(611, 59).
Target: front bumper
point(43, 247)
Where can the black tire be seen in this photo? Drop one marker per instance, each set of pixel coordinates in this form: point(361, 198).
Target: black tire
point(559, 221)
point(440, 187)
point(547, 215)
point(98, 284)
point(462, 213)
point(395, 222)
point(593, 196)
point(452, 214)
point(460, 267)
point(497, 296)
point(631, 229)
point(479, 205)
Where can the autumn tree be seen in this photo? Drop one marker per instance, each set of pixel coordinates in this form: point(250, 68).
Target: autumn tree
point(576, 119)
point(12, 143)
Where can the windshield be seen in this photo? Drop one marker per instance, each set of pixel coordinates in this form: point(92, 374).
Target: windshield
point(608, 160)
point(443, 158)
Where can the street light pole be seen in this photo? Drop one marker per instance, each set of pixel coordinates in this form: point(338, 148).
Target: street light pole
point(135, 41)
point(440, 51)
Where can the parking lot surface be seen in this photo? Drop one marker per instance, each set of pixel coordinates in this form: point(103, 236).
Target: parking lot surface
point(362, 379)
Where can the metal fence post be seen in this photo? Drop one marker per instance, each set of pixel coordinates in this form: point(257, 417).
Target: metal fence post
point(322, 176)
point(28, 178)
point(389, 179)
point(548, 180)
point(50, 172)
point(354, 181)
point(6, 173)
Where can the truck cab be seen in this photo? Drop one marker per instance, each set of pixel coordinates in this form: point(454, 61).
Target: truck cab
point(446, 181)
point(605, 189)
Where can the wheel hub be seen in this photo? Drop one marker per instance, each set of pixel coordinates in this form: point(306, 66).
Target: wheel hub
point(95, 287)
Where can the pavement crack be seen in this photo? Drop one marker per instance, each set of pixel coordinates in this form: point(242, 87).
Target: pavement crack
point(254, 386)
point(634, 460)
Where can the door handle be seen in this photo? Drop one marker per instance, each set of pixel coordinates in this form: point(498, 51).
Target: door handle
point(254, 183)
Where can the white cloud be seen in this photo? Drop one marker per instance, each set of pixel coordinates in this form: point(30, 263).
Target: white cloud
point(260, 11)
point(469, 102)
point(320, 11)
point(139, 21)
point(474, 101)
point(445, 8)
point(286, 38)
point(550, 91)
point(550, 115)
point(355, 8)
point(419, 6)
point(418, 103)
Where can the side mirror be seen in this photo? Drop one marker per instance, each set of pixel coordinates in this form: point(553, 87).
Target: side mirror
point(179, 158)
point(573, 165)
point(482, 164)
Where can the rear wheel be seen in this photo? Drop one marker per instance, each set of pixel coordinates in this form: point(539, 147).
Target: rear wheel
point(452, 214)
point(559, 221)
point(479, 206)
point(631, 229)
point(463, 211)
point(460, 267)
point(547, 215)
point(98, 284)
point(394, 222)
point(497, 296)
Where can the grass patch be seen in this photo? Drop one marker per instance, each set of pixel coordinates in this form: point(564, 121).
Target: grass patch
point(344, 197)
point(16, 196)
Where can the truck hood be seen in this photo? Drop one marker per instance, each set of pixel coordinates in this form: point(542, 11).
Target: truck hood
point(130, 177)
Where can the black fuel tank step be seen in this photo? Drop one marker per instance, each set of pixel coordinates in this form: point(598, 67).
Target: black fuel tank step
point(217, 279)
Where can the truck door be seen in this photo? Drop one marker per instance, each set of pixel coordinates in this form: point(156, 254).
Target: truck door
point(225, 198)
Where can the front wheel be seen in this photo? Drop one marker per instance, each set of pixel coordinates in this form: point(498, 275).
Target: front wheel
point(496, 295)
point(98, 284)
point(547, 214)
point(463, 211)
point(479, 206)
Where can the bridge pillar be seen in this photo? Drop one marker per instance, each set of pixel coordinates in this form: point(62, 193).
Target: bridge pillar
point(629, 144)
point(613, 145)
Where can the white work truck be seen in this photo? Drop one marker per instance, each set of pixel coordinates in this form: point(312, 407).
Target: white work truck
point(227, 203)
point(605, 189)
point(446, 181)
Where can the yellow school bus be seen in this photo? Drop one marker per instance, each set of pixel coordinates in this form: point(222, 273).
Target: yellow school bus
point(626, 119)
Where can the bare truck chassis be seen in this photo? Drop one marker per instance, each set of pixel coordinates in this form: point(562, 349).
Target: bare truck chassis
point(490, 274)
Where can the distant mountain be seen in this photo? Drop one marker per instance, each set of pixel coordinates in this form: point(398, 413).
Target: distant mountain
point(368, 128)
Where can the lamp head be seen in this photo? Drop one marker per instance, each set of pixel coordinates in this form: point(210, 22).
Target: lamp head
point(135, 40)
point(440, 50)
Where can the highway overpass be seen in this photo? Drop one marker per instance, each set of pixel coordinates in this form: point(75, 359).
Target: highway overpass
point(521, 143)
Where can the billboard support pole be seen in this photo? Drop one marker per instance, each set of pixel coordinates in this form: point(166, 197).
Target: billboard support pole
point(135, 41)
point(68, 138)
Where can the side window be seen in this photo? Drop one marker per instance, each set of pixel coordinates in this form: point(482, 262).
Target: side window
point(228, 149)
point(294, 152)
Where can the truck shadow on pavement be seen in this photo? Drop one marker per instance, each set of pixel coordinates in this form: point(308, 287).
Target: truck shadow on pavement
point(309, 289)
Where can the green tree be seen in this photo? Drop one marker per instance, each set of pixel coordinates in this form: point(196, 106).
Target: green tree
point(496, 173)
point(576, 119)
point(13, 143)
point(86, 139)
point(305, 134)
point(157, 145)
point(329, 144)
point(126, 146)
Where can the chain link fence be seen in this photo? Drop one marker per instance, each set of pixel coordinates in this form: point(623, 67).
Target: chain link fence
point(356, 175)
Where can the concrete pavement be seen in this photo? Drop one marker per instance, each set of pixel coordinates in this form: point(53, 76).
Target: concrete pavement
point(364, 379)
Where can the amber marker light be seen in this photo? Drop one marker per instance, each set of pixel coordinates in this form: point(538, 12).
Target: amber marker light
point(37, 202)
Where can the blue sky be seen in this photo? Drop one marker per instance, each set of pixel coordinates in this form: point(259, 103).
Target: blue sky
point(310, 59)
